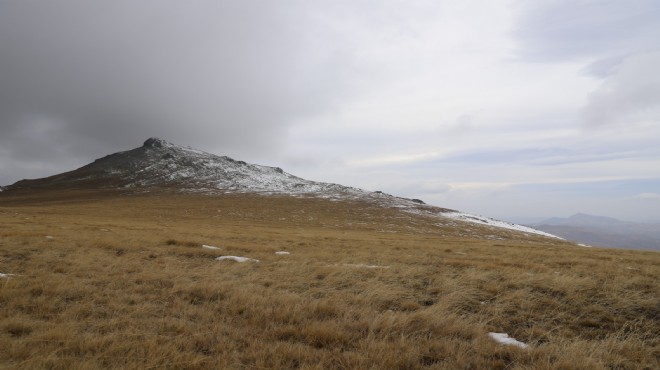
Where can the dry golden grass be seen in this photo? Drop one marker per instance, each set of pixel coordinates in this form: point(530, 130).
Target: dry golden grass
point(123, 282)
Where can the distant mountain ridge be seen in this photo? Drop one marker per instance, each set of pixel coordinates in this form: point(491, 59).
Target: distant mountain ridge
point(583, 219)
point(161, 164)
point(603, 231)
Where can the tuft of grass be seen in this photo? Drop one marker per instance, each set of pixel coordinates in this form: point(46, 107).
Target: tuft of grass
point(17, 329)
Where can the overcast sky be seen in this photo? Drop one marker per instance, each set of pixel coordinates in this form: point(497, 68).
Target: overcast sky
point(510, 109)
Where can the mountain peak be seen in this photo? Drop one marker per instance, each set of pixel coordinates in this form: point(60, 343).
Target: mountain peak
point(592, 218)
point(154, 142)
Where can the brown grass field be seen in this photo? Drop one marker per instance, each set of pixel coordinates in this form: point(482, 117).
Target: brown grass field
point(109, 280)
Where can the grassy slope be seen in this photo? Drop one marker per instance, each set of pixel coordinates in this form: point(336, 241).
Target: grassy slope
point(124, 283)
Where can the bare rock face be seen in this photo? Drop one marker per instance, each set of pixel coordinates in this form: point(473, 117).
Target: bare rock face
point(153, 142)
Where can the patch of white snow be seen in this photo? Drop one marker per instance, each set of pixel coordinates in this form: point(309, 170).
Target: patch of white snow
point(282, 253)
point(495, 223)
point(503, 338)
point(209, 247)
point(236, 258)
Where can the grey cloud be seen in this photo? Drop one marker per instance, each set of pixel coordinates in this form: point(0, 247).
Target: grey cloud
point(80, 78)
point(549, 31)
point(604, 67)
point(631, 97)
point(618, 41)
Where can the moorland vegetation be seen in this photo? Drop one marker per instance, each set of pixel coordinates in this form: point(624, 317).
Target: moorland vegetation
point(102, 279)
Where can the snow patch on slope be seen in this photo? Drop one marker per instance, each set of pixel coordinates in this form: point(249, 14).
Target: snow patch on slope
point(494, 223)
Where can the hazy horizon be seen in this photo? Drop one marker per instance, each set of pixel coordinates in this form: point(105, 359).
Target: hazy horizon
point(509, 109)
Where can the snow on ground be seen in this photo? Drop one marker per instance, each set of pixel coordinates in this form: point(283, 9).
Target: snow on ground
point(584, 245)
point(281, 253)
point(495, 223)
point(236, 258)
point(503, 338)
point(209, 247)
point(5, 276)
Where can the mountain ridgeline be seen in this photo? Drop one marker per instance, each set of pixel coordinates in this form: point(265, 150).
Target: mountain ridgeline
point(163, 164)
point(159, 164)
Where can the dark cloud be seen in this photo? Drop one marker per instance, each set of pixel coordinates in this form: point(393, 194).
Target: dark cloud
point(81, 79)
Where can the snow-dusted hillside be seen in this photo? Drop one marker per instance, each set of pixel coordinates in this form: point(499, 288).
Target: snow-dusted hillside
point(163, 164)
point(195, 170)
point(159, 163)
